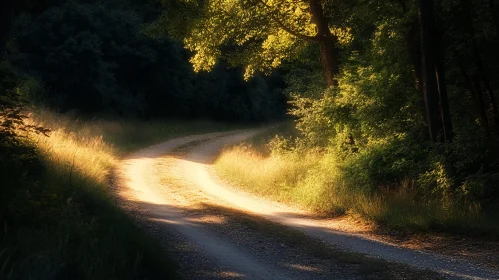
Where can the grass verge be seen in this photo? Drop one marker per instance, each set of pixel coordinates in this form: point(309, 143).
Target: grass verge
point(61, 220)
point(313, 180)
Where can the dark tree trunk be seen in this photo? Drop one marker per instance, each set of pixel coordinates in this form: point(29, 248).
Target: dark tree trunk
point(327, 43)
point(329, 61)
point(413, 46)
point(476, 93)
point(442, 86)
point(485, 80)
point(433, 75)
point(430, 88)
point(484, 119)
point(481, 74)
point(493, 103)
point(412, 43)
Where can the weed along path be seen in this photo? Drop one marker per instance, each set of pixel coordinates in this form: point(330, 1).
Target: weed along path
point(217, 232)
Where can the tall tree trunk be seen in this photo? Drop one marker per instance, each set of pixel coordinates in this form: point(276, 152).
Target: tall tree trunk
point(481, 107)
point(414, 49)
point(485, 80)
point(329, 61)
point(430, 87)
point(327, 43)
point(433, 74)
point(442, 85)
point(476, 93)
point(493, 103)
point(484, 119)
point(413, 46)
point(481, 73)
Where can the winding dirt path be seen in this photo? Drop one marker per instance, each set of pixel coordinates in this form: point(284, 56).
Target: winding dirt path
point(170, 190)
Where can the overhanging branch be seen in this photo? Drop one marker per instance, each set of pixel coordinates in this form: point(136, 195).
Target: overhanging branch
point(288, 29)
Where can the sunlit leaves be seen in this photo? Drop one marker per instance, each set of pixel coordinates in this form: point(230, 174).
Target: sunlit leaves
point(344, 35)
point(261, 28)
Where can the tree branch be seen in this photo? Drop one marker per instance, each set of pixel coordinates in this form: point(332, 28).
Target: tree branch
point(287, 29)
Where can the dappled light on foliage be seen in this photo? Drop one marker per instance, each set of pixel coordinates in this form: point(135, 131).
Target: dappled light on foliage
point(371, 132)
point(328, 184)
point(247, 22)
point(392, 109)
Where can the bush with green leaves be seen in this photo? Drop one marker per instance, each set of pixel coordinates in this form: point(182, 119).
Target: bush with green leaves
point(18, 159)
point(374, 124)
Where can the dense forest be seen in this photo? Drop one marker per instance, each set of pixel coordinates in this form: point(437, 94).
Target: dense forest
point(82, 57)
point(396, 96)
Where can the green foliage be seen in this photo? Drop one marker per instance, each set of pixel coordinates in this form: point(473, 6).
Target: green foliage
point(92, 59)
point(95, 58)
point(369, 134)
point(221, 24)
point(19, 164)
point(396, 185)
point(384, 166)
point(373, 125)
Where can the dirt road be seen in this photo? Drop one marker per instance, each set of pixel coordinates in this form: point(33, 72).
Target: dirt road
point(217, 232)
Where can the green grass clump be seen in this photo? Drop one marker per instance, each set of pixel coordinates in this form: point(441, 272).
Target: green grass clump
point(60, 219)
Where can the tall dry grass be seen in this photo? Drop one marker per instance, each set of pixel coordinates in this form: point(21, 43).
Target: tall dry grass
point(65, 224)
point(272, 176)
point(314, 181)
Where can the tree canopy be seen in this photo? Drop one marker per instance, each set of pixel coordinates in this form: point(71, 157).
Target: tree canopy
point(259, 34)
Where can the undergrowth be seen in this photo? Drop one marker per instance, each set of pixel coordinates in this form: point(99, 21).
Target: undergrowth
point(320, 181)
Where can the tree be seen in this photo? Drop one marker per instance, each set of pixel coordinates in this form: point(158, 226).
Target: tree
point(433, 74)
point(259, 34)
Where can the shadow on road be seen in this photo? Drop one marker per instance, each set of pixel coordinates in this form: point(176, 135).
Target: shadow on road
point(244, 245)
